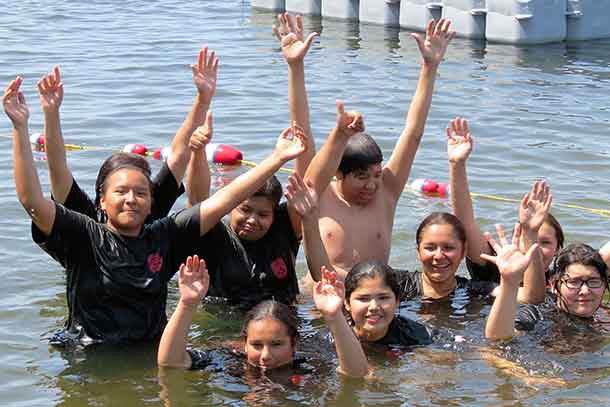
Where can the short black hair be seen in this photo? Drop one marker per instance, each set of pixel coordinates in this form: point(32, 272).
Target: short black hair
point(360, 153)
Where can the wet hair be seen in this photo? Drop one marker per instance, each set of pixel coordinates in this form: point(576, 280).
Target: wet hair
point(360, 153)
point(371, 269)
point(441, 218)
point(272, 190)
point(271, 309)
point(112, 164)
point(554, 223)
point(578, 253)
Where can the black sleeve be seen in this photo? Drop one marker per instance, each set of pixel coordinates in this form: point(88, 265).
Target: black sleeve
point(78, 200)
point(409, 284)
point(68, 242)
point(166, 191)
point(486, 272)
point(199, 359)
point(528, 316)
point(182, 229)
point(284, 224)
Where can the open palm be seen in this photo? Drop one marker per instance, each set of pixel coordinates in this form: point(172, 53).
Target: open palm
point(459, 140)
point(13, 102)
point(193, 281)
point(205, 73)
point(292, 40)
point(301, 196)
point(434, 46)
point(535, 206)
point(51, 91)
point(329, 294)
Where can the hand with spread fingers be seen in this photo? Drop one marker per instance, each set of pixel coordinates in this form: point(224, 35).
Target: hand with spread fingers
point(292, 39)
point(302, 196)
point(14, 104)
point(203, 135)
point(204, 75)
point(459, 140)
point(510, 260)
point(329, 294)
point(51, 91)
point(288, 148)
point(535, 206)
point(348, 123)
point(193, 281)
point(434, 46)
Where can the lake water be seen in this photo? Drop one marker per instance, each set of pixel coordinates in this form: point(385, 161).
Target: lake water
point(536, 112)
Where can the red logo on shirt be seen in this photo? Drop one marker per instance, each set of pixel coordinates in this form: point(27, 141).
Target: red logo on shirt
point(155, 262)
point(279, 268)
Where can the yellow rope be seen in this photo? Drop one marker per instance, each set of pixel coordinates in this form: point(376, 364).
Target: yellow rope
point(601, 212)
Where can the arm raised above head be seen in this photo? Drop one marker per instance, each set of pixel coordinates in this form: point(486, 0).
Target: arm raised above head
point(432, 49)
point(193, 283)
point(512, 263)
point(226, 199)
point(198, 174)
point(27, 184)
point(204, 77)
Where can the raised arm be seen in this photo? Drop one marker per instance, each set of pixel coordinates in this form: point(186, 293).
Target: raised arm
point(27, 185)
point(304, 199)
point(198, 174)
point(512, 263)
point(432, 49)
point(223, 201)
point(326, 162)
point(533, 210)
point(605, 253)
point(329, 296)
point(51, 91)
point(459, 147)
point(193, 282)
point(204, 76)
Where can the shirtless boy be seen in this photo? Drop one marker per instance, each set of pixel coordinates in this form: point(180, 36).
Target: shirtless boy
point(357, 210)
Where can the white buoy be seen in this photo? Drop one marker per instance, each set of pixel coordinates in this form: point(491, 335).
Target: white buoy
point(277, 5)
point(526, 21)
point(343, 9)
point(305, 7)
point(467, 17)
point(588, 19)
point(415, 14)
point(385, 12)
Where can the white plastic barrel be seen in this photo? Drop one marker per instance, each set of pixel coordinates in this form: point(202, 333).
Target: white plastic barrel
point(415, 14)
point(277, 5)
point(308, 7)
point(588, 19)
point(385, 12)
point(343, 9)
point(467, 17)
point(526, 21)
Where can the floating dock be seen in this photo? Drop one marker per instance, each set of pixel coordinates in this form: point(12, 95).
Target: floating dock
point(504, 21)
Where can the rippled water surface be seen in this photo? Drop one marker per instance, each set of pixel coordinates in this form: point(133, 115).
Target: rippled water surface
point(535, 112)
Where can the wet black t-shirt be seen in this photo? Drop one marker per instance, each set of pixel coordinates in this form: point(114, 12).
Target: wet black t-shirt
point(248, 272)
point(117, 285)
point(165, 191)
point(412, 285)
point(405, 332)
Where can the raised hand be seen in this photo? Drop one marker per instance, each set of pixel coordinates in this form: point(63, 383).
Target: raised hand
point(204, 75)
point(14, 104)
point(203, 135)
point(348, 123)
point(288, 148)
point(193, 281)
point(294, 46)
point(51, 91)
point(459, 140)
point(510, 260)
point(329, 294)
point(438, 37)
point(535, 206)
point(301, 196)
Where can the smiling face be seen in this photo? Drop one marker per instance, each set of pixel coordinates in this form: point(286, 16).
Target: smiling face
point(253, 217)
point(548, 243)
point(268, 344)
point(440, 252)
point(372, 306)
point(583, 301)
point(360, 186)
point(126, 200)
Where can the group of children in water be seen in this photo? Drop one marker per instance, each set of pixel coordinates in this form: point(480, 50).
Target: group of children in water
point(121, 249)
